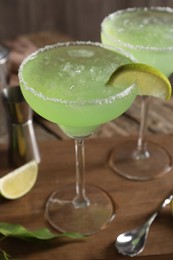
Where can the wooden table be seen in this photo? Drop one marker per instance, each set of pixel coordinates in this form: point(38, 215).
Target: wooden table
point(134, 200)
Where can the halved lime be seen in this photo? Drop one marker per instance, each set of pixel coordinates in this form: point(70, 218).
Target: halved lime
point(148, 80)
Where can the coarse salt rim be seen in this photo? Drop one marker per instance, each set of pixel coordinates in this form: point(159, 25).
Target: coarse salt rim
point(131, 46)
point(110, 99)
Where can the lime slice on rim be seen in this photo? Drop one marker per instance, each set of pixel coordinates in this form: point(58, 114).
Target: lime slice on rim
point(20, 181)
point(148, 80)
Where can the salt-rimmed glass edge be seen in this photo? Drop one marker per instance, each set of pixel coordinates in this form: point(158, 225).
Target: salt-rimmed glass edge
point(110, 99)
point(129, 45)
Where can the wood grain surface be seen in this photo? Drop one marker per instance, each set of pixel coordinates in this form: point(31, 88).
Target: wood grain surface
point(134, 202)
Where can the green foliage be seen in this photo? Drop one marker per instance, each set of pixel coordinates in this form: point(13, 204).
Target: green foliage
point(20, 232)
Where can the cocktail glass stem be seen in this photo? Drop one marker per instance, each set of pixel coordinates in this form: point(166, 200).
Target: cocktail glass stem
point(80, 200)
point(69, 209)
point(146, 160)
point(141, 151)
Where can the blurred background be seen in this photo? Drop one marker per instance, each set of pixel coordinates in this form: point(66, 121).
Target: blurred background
point(26, 25)
point(80, 19)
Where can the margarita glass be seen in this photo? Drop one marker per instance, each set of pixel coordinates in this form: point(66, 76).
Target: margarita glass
point(65, 83)
point(146, 33)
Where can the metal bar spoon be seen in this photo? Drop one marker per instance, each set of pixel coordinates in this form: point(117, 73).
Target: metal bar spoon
point(132, 242)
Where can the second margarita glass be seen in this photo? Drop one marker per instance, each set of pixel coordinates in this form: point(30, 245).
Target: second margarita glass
point(146, 33)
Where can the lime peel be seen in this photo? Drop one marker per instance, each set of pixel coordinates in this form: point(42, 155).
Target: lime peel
point(148, 80)
point(19, 181)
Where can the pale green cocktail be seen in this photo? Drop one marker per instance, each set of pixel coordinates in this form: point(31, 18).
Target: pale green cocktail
point(66, 84)
point(146, 33)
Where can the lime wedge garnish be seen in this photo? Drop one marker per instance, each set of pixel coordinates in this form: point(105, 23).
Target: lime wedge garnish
point(148, 80)
point(20, 181)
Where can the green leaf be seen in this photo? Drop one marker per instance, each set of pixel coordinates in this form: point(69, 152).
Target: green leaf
point(4, 255)
point(18, 231)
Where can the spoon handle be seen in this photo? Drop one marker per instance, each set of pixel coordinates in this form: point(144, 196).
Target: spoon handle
point(162, 205)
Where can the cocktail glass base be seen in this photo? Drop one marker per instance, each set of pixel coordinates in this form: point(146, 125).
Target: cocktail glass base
point(156, 162)
point(62, 214)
